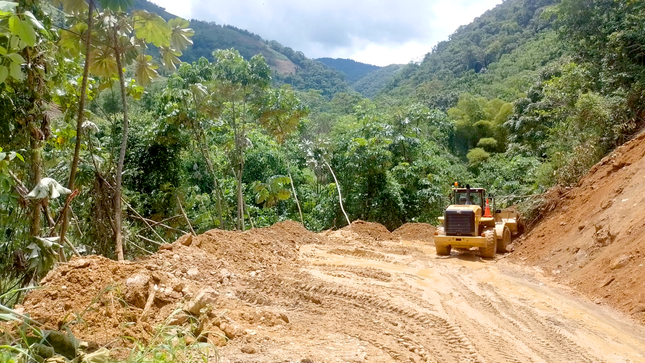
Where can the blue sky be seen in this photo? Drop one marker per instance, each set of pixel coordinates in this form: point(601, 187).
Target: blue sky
point(377, 32)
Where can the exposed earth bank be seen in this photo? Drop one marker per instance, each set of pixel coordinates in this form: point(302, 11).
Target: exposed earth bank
point(594, 239)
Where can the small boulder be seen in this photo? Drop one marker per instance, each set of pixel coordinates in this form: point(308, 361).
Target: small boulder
point(621, 261)
point(185, 240)
point(230, 330)
point(284, 317)
point(178, 319)
point(178, 285)
point(136, 292)
point(79, 263)
point(249, 349)
point(193, 272)
point(217, 337)
point(166, 246)
point(640, 308)
point(205, 297)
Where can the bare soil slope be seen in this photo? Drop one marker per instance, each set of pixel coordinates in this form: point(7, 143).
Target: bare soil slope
point(359, 294)
point(594, 239)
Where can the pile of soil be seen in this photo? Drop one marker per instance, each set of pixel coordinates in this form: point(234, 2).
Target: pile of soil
point(360, 233)
point(594, 235)
point(416, 231)
point(101, 300)
point(375, 230)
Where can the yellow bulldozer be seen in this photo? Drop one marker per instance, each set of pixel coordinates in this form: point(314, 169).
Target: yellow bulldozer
point(468, 222)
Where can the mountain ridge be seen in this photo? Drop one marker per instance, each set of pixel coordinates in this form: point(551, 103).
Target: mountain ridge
point(289, 66)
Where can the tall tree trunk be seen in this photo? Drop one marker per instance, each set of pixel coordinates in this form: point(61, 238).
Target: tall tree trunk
point(36, 175)
point(209, 163)
point(340, 196)
point(119, 167)
point(239, 161)
point(240, 198)
point(81, 111)
point(295, 196)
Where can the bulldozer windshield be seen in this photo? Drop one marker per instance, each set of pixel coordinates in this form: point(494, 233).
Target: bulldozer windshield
point(475, 198)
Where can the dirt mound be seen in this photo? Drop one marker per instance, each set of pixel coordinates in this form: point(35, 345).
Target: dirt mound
point(376, 231)
point(594, 237)
point(416, 231)
point(102, 300)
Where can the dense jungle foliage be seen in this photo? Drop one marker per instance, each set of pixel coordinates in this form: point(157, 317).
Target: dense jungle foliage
point(98, 160)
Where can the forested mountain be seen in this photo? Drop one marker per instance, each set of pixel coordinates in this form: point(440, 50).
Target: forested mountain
point(372, 83)
point(352, 69)
point(507, 31)
point(290, 66)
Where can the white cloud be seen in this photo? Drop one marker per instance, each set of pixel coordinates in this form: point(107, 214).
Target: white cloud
point(179, 8)
point(379, 32)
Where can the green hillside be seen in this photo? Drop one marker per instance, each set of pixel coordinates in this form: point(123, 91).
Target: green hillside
point(352, 69)
point(290, 66)
point(502, 44)
point(372, 83)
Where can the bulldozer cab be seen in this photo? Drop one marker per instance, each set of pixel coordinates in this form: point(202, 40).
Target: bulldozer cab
point(464, 196)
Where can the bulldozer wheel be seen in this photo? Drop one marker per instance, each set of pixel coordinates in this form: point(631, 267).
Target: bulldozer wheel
point(491, 245)
point(443, 250)
point(503, 242)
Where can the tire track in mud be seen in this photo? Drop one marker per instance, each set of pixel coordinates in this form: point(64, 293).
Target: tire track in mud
point(420, 309)
point(364, 272)
point(361, 253)
point(441, 339)
point(554, 346)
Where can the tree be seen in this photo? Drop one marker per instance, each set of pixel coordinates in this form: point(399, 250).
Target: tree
point(238, 94)
point(26, 44)
point(81, 113)
point(280, 116)
point(186, 101)
point(121, 40)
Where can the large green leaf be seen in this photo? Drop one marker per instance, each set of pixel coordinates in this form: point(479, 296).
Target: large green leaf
point(72, 39)
point(49, 242)
point(16, 58)
point(4, 72)
point(22, 29)
point(152, 28)
point(181, 33)
point(170, 58)
point(103, 62)
point(15, 71)
point(47, 188)
point(31, 19)
point(283, 194)
point(145, 70)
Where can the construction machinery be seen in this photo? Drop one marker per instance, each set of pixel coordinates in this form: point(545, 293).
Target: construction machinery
point(468, 222)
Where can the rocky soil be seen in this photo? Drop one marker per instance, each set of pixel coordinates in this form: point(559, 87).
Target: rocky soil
point(359, 294)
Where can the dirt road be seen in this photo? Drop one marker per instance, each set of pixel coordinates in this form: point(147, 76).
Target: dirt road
point(396, 301)
point(359, 294)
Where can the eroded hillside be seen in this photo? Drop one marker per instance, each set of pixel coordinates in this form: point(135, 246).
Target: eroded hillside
point(595, 238)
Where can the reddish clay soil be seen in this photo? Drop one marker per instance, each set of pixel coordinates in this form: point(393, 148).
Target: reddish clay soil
point(416, 231)
point(359, 294)
point(593, 237)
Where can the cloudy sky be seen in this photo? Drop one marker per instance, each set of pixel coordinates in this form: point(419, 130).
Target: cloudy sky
point(379, 32)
